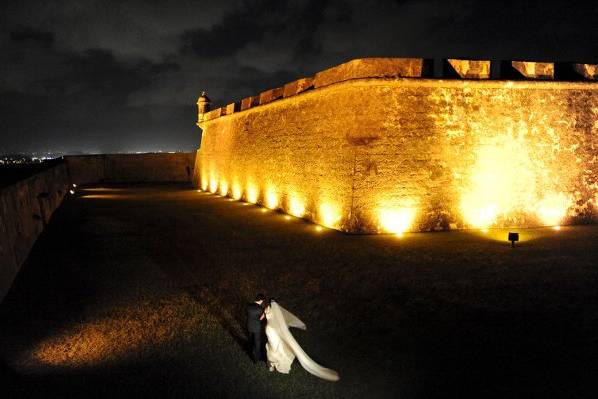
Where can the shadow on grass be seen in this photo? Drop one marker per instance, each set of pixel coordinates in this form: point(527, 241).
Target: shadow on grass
point(223, 310)
point(228, 308)
point(149, 378)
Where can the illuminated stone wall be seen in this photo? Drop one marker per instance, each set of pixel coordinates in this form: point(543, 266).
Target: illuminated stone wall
point(399, 154)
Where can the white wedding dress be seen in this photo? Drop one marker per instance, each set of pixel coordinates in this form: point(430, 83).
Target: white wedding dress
point(282, 348)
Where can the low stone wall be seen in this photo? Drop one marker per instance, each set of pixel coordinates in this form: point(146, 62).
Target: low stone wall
point(25, 208)
point(123, 168)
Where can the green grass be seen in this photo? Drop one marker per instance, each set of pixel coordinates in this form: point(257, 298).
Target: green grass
point(141, 290)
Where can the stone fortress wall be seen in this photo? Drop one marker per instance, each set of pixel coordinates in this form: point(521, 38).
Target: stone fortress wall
point(26, 206)
point(25, 209)
point(131, 168)
point(391, 145)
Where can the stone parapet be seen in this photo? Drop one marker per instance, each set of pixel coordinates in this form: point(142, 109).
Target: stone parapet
point(125, 168)
point(270, 95)
point(25, 208)
point(250, 102)
point(370, 68)
point(534, 70)
point(471, 69)
point(213, 114)
point(410, 69)
point(588, 71)
point(298, 86)
point(231, 109)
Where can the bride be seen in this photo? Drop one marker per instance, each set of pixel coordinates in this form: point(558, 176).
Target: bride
point(282, 348)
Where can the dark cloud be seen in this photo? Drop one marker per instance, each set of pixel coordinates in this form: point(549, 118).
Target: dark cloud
point(109, 76)
point(24, 34)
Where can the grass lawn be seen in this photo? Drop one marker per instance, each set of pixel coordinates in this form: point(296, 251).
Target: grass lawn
point(141, 290)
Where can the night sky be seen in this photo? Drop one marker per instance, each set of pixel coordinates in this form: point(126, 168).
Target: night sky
point(115, 76)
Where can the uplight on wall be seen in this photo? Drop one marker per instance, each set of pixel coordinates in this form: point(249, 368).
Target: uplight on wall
point(223, 188)
point(552, 209)
point(237, 193)
point(329, 215)
point(397, 220)
point(503, 180)
point(271, 199)
point(213, 185)
point(296, 207)
point(252, 193)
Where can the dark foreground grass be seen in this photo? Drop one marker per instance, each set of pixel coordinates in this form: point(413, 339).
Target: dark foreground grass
point(140, 291)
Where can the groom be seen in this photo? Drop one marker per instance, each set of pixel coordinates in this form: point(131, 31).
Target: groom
point(255, 315)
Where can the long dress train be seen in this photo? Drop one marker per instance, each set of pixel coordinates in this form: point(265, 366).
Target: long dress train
point(282, 348)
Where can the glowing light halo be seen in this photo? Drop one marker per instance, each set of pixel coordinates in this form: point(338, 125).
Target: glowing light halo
point(252, 193)
point(397, 220)
point(223, 188)
point(505, 182)
point(329, 215)
point(213, 185)
point(271, 198)
point(552, 209)
point(296, 206)
point(237, 192)
point(204, 180)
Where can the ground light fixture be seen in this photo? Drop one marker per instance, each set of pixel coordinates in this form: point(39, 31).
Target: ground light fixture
point(513, 237)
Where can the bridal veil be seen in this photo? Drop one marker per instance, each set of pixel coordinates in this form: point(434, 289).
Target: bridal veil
point(281, 320)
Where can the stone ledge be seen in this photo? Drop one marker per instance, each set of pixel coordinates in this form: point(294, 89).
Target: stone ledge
point(270, 95)
point(588, 71)
point(250, 102)
point(439, 83)
point(216, 113)
point(371, 68)
point(230, 109)
point(471, 69)
point(404, 69)
point(535, 70)
point(298, 86)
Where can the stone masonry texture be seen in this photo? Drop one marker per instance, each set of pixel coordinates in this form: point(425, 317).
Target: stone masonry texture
point(341, 154)
point(121, 168)
point(25, 207)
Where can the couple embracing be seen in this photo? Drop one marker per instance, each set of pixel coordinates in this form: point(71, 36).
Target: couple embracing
point(281, 348)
